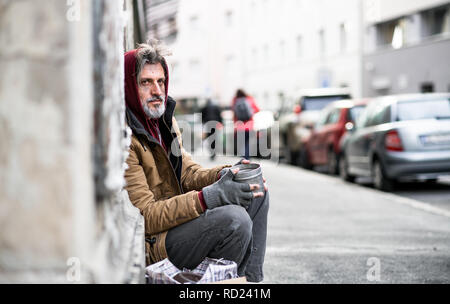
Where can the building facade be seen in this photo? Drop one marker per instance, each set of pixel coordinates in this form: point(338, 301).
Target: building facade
point(275, 48)
point(270, 48)
point(407, 47)
point(161, 18)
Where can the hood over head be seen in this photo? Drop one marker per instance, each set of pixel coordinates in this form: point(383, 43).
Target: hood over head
point(132, 99)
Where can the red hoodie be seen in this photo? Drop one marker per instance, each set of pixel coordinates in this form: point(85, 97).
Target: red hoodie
point(132, 99)
point(134, 104)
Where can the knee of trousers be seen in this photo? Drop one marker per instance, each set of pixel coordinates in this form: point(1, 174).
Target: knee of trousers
point(236, 220)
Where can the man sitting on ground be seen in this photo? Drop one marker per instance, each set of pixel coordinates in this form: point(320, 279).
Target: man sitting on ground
point(190, 212)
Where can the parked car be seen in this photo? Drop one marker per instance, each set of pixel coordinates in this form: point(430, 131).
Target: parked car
point(397, 138)
point(295, 128)
point(323, 148)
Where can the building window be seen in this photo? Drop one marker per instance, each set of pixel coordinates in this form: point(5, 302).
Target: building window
point(392, 33)
point(322, 45)
point(156, 2)
point(194, 66)
point(173, 30)
point(155, 31)
point(175, 74)
point(436, 21)
point(266, 98)
point(343, 37)
point(193, 21)
point(229, 60)
point(255, 57)
point(427, 87)
point(282, 51)
point(265, 54)
point(229, 18)
point(398, 37)
point(230, 65)
point(299, 46)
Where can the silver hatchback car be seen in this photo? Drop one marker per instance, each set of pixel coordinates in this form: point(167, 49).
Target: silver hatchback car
point(399, 138)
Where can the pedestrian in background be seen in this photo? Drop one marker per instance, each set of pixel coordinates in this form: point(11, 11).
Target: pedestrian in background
point(212, 119)
point(243, 107)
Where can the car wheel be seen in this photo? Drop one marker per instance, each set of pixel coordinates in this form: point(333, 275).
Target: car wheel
point(343, 170)
point(294, 158)
point(332, 163)
point(286, 155)
point(380, 180)
point(290, 156)
point(303, 160)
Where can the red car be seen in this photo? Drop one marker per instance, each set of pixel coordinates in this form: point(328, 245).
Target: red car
point(322, 147)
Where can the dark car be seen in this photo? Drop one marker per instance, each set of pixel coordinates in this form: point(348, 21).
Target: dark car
point(397, 138)
point(323, 148)
point(295, 128)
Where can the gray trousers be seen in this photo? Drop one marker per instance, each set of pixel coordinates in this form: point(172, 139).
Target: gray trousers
point(228, 232)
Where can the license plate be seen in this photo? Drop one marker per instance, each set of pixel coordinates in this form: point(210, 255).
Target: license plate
point(435, 139)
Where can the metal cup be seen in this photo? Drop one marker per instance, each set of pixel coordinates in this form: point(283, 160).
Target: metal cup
point(250, 174)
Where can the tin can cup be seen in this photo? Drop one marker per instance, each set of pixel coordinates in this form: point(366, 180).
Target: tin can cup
point(250, 174)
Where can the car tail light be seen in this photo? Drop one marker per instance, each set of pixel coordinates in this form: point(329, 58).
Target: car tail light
point(392, 141)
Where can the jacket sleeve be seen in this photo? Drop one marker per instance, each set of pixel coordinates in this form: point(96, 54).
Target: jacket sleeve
point(159, 215)
point(193, 176)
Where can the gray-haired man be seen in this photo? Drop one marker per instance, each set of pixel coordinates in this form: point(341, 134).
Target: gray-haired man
point(190, 212)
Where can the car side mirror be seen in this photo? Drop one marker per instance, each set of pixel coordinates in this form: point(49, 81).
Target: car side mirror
point(297, 109)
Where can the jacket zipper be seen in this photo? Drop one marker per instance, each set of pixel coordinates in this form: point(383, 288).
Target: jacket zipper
point(173, 170)
point(158, 144)
point(154, 141)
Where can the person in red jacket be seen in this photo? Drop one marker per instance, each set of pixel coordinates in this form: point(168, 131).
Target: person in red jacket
point(244, 107)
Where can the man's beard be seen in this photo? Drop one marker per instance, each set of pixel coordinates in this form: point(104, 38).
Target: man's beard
point(157, 111)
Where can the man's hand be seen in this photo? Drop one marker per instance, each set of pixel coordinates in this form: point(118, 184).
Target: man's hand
point(226, 191)
point(244, 162)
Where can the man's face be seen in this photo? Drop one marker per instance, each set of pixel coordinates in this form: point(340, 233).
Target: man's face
point(151, 88)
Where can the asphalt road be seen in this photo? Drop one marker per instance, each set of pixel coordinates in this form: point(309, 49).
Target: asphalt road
point(323, 230)
point(436, 194)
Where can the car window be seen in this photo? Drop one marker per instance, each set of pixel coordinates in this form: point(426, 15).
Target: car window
point(354, 113)
point(316, 103)
point(423, 109)
point(322, 118)
point(362, 119)
point(333, 117)
point(379, 114)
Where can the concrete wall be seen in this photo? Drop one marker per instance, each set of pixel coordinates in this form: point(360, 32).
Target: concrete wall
point(62, 220)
